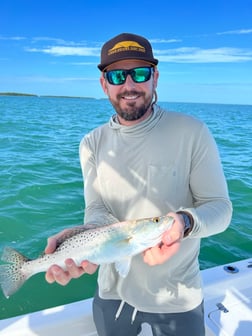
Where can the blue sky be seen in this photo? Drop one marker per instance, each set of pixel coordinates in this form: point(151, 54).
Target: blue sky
point(52, 47)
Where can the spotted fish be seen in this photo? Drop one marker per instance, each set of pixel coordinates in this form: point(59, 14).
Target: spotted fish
point(113, 243)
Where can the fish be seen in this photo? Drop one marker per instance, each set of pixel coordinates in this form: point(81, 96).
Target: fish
point(112, 243)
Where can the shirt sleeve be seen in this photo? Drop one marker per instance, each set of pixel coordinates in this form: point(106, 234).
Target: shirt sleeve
point(212, 209)
point(95, 210)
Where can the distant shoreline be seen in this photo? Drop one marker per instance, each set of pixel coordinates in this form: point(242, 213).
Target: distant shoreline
point(18, 94)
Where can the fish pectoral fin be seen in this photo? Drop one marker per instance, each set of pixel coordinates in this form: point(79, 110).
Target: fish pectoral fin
point(122, 266)
point(125, 240)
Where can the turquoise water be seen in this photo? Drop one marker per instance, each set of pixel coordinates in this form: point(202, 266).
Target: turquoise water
point(42, 188)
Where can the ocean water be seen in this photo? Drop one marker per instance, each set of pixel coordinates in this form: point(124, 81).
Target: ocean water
point(42, 188)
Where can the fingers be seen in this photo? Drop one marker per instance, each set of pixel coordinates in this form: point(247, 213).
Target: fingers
point(176, 232)
point(170, 244)
point(61, 276)
point(152, 256)
point(51, 245)
point(172, 236)
point(52, 242)
point(159, 254)
point(88, 267)
point(56, 274)
point(72, 271)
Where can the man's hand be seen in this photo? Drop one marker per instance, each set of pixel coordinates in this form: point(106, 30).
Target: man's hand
point(170, 243)
point(57, 274)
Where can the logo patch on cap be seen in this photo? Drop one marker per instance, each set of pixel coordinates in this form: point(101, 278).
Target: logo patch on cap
point(126, 46)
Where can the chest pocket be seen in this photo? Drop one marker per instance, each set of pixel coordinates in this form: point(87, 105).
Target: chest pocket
point(162, 186)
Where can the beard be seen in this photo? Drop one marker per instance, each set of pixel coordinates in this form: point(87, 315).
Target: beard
point(132, 111)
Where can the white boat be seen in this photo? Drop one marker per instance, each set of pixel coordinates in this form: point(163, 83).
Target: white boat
point(228, 309)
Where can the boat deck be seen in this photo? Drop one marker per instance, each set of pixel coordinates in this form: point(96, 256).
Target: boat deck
point(228, 303)
point(228, 309)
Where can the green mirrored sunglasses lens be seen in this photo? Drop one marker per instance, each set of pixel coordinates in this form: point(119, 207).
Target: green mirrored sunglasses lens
point(141, 75)
point(138, 75)
point(116, 77)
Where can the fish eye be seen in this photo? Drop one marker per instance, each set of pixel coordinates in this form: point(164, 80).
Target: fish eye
point(156, 219)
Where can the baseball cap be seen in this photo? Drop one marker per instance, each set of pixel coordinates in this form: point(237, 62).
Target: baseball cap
point(126, 46)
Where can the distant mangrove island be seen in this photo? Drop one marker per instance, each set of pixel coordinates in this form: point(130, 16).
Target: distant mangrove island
point(18, 94)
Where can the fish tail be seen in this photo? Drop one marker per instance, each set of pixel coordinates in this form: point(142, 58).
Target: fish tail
point(11, 276)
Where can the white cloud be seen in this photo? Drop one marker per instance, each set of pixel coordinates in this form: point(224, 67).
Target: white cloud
point(83, 63)
point(67, 51)
point(57, 41)
point(164, 41)
point(197, 55)
point(12, 38)
point(176, 55)
point(236, 32)
point(49, 39)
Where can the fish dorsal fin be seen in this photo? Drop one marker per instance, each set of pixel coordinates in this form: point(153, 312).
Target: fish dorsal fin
point(74, 231)
point(122, 266)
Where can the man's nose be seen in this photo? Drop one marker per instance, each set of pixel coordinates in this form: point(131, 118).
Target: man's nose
point(129, 82)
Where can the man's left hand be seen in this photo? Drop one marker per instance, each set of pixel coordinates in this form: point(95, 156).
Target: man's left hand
point(170, 244)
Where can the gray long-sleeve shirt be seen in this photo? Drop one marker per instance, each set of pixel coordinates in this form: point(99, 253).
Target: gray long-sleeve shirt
point(166, 163)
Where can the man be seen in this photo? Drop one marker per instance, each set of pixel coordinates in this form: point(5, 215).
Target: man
point(148, 162)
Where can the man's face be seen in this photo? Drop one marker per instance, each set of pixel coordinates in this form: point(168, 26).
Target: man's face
point(131, 100)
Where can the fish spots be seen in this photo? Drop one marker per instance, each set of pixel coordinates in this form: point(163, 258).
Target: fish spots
point(113, 243)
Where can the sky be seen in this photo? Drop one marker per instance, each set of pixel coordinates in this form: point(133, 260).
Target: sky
point(204, 47)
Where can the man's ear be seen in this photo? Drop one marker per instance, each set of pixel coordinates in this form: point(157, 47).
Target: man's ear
point(156, 75)
point(104, 84)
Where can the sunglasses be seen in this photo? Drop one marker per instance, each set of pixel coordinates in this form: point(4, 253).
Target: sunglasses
point(138, 75)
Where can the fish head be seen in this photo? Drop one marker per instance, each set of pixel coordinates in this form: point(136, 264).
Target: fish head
point(149, 231)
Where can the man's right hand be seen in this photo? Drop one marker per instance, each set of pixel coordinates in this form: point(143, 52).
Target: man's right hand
point(61, 276)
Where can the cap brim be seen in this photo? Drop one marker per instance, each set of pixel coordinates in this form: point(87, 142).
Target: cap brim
point(152, 61)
